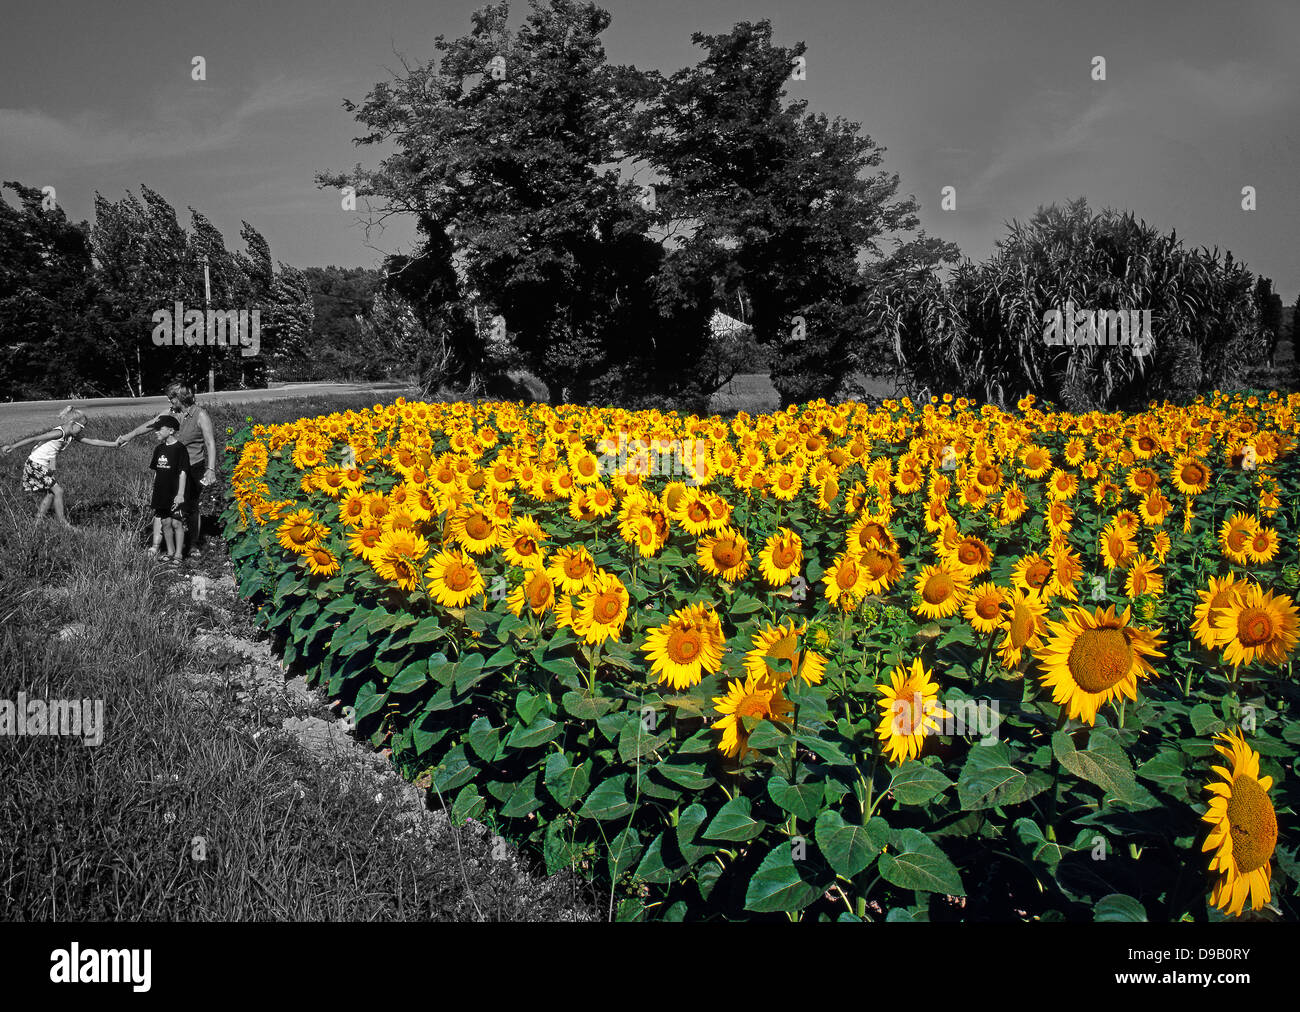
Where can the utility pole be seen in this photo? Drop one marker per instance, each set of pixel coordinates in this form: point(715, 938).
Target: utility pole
point(207, 301)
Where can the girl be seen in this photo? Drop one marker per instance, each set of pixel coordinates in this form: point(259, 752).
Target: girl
point(39, 475)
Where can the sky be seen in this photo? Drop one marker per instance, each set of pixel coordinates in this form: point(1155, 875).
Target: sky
point(995, 98)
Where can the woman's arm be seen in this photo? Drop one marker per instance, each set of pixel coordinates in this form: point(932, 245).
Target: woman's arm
point(52, 434)
point(139, 430)
point(180, 489)
point(209, 444)
point(110, 443)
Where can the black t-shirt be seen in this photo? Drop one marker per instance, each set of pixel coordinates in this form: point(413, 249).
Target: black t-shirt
point(169, 461)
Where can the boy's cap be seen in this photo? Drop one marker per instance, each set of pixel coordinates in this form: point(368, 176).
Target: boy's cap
point(168, 421)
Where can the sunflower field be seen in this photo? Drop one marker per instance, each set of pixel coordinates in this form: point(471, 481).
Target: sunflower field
point(921, 661)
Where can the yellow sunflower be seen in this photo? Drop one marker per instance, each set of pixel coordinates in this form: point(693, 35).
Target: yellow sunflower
point(1256, 625)
point(1262, 546)
point(1190, 476)
point(911, 711)
point(537, 593)
point(1143, 578)
point(689, 644)
point(397, 557)
point(781, 557)
point(1212, 600)
point(846, 581)
point(942, 589)
point(601, 611)
point(781, 643)
point(321, 562)
point(1235, 535)
point(756, 698)
point(724, 555)
point(573, 569)
point(521, 543)
point(1023, 626)
point(1091, 659)
point(1243, 834)
point(972, 556)
point(1033, 572)
point(453, 579)
point(983, 607)
point(475, 529)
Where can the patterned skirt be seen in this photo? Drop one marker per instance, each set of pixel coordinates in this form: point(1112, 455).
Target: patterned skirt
point(37, 478)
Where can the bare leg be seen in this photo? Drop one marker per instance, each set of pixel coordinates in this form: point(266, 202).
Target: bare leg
point(170, 537)
point(178, 539)
point(157, 535)
point(44, 507)
point(58, 504)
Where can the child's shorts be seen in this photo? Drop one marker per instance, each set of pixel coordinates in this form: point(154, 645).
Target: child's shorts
point(37, 478)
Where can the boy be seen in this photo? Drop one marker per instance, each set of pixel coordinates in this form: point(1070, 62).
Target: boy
point(171, 465)
point(40, 474)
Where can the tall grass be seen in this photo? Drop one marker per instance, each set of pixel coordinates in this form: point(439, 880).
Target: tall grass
point(114, 831)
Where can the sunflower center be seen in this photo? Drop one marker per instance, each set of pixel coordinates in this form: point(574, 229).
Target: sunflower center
point(877, 564)
point(697, 514)
point(1237, 539)
point(1193, 474)
point(753, 705)
point(1260, 543)
point(987, 608)
point(1100, 658)
point(683, 645)
point(575, 567)
point(847, 575)
point(1254, 626)
point(938, 588)
point(1037, 574)
point(456, 577)
point(1253, 822)
point(539, 592)
point(783, 556)
point(608, 607)
point(969, 554)
point(726, 554)
point(525, 546)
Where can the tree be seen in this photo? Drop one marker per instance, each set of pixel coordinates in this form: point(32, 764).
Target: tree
point(983, 332)
point(507, 154)
point(46, 290)
point(1269, 306)
point(786, 197)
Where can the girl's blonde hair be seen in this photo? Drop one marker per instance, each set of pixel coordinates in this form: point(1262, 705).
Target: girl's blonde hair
point(74, 415)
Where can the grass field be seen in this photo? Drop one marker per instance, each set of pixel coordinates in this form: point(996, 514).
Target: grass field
point(197, 805)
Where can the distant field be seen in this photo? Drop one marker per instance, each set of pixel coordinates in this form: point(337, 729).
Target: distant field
point(753, 392)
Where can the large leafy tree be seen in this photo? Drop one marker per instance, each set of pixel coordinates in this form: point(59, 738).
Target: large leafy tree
point(507, 152)
point(793, 203)
point(46, 289)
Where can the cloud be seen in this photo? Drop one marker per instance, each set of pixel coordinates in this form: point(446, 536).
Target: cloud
point(203, 122)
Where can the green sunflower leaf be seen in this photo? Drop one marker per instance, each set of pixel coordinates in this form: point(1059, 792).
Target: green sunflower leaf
point(777, 884)
point(914, 861)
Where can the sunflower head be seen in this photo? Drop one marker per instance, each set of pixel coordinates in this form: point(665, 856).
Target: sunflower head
point(1243, 833)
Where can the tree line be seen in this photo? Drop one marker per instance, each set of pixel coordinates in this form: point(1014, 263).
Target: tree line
point(584, 222)
point(87, 310)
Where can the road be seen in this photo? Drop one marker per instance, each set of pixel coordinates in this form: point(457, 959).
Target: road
point(26, 418)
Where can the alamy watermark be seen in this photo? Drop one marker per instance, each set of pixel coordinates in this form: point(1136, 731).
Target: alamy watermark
point(224, 328)
point(980, 717)
point(70, 718)
point(1072, 327)
point(686, 459)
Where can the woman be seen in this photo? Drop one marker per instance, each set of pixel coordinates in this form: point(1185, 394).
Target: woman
point(196, 435)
